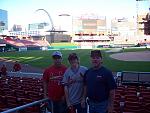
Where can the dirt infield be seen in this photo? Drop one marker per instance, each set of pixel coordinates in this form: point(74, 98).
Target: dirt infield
point(132, 56)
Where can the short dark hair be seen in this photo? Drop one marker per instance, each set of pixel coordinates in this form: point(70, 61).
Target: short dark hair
point(73, 56)
point(96, 53)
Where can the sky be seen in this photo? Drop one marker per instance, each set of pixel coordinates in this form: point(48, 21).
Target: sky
point(24, 11)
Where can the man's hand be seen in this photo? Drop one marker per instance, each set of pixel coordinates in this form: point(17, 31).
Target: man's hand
point(68, 104)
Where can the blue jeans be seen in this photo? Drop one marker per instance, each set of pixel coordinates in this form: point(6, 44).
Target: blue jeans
point(98, 107)
point(57, 106)
point(80, 109)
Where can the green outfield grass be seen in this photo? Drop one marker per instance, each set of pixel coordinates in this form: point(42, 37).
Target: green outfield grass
point(62, 44)
point(42, 59)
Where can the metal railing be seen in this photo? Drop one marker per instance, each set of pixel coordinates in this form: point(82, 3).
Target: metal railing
point(25, 106)
point(137, 78)
point(25, 74)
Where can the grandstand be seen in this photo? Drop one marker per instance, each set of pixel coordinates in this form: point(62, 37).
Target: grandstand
point(89, 41)
point(129, 97)
point(24, 44)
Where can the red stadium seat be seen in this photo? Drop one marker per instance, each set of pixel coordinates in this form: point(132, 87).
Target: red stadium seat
point(132, 107)
point(2, 103)
point(11, 101)
point(23, 101)
point(20, 93)
point(131, 98)
point(147, 108)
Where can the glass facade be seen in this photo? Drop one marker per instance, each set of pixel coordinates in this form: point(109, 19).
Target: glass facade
point(3, 20)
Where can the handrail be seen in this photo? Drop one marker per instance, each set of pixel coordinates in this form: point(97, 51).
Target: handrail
point(25, 106)
point(134, 72)
point(26, 73)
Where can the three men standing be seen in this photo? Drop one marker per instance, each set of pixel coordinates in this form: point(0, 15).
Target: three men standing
point(97, 84)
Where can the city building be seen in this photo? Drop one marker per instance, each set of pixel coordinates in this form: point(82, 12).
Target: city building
point(16, 28)
point(40, 31)
point(3, 20)
point(124, 30)
point(36, 26)
point(123, 26)
point(90, 24)
point(147, 24)
point(140, 24)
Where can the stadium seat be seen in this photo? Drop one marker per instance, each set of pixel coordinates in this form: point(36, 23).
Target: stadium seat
point(20, 93)
point(2, 103)
point(146, 98)
point(132, 107)
point(34, 95)
point(147, 108)
point(117, 108)
point(11, 101)
point(131, 98)
point(23, 101)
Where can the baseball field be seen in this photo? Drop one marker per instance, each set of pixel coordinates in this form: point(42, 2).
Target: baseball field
point(42, 59)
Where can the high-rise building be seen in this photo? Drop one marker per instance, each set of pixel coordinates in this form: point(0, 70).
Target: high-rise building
point(17, 27)
point(123, 26)
point(147, 24)
point(140, 24)
point(3, 20)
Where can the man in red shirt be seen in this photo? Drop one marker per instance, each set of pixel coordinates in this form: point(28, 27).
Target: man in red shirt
point(16, 67)
point(52, 78)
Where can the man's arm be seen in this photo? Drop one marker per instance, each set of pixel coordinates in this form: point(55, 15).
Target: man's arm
point(67, 96)
point(45, 86)
point(83, 101)
point(111, 101)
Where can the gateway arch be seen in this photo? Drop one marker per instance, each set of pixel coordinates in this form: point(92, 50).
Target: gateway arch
point(50, 19)
point(52, 31)
point(50, 37)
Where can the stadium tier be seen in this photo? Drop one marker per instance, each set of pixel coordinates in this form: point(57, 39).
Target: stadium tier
point(24, 44)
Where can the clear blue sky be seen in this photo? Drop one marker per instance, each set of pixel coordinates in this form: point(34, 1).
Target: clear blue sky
point(23, 11)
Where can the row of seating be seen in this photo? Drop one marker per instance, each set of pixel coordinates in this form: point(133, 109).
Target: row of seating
point(135, 99)
point(16, 91)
